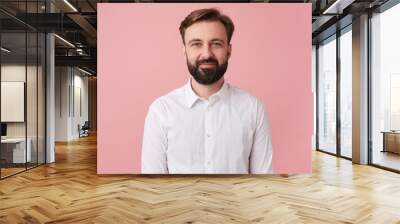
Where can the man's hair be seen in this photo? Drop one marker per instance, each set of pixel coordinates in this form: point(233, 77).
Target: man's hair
point(210, 14)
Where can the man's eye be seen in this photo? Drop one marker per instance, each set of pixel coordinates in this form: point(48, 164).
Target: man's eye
point(217, 44)
point(196, 44)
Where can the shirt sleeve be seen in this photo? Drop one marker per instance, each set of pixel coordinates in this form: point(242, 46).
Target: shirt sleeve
point(261, 152)
point(154, 146)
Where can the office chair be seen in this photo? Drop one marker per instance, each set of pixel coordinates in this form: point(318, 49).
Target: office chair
point(84, 130)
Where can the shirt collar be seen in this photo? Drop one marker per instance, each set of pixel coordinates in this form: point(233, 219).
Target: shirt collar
point(192, 97)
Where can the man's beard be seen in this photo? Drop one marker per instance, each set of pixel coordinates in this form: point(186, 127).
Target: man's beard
point(207, 76)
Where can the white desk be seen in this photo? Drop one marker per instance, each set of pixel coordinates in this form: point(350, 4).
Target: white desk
point(18, 150)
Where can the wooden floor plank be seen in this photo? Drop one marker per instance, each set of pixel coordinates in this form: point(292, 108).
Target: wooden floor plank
point(70, 191)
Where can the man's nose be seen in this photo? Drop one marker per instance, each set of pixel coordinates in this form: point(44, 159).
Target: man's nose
point(206, 52)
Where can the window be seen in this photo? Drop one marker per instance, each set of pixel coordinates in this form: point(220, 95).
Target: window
point(327, 95)
point(385, 88)
point(346, 92)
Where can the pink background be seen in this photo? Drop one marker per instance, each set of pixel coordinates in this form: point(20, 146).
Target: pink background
point(140, 58)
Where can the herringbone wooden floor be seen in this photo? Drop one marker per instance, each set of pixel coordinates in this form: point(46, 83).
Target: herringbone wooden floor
point(70, 191)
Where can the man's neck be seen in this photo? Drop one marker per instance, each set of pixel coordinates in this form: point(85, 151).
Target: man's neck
point(204, 91)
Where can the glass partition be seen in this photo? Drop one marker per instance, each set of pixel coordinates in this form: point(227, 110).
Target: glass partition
point(327, 95)
point(13, 110)
point(32, 95)
point(385, 89)
point(22, 77)
point(346, 93)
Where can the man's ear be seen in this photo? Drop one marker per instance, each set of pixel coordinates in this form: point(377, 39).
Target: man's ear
point(229, 50)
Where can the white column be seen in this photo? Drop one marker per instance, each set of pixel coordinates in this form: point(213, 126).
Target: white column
point(50, 100)
point(360, 90)
point(50, 92)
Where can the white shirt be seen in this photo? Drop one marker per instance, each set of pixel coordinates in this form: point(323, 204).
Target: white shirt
point(226, 134)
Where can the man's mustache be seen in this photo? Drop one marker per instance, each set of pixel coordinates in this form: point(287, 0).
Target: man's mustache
point(207, 61)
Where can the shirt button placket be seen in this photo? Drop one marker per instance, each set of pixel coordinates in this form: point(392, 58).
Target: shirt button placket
point(208, 139)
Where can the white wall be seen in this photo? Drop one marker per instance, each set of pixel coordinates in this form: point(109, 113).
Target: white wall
point(79, 103)
point(17, 73)
point(12, 73)
point(71, 93)
point(62, 81)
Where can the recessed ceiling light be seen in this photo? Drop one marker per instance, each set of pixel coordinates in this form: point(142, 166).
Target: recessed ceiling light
point(337, 7)
point(5, 50)
point(64, 40)
point(84, 71)
point(70, 5)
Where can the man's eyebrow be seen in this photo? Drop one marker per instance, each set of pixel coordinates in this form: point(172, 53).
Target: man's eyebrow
point(212, 40)
point(217, 39)
point(194, 40)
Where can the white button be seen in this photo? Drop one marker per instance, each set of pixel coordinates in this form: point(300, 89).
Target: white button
point(208, 135)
